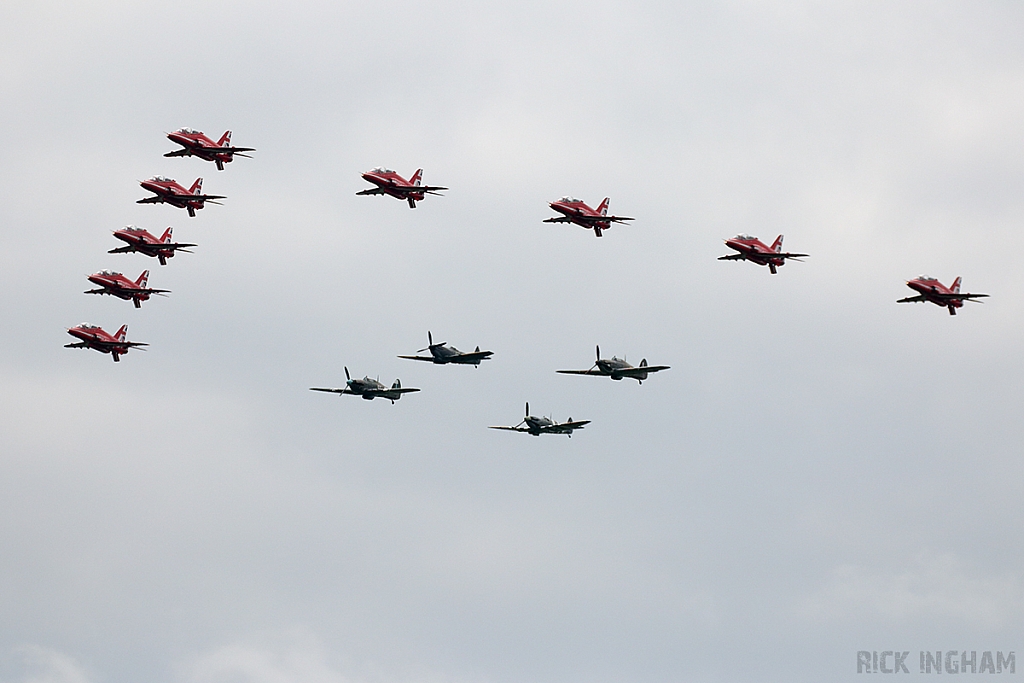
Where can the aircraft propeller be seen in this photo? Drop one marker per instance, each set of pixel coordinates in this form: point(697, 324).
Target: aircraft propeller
point(347, 376)
point(431, 344)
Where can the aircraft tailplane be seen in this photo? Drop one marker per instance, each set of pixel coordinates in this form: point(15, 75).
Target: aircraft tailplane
point(777, 244)
point(197, 187)
point(225, 139)
point(955, 287)
point(121, 333)
point(166, 237)
point(143, 279)
point(416, 177)
point(603, 208)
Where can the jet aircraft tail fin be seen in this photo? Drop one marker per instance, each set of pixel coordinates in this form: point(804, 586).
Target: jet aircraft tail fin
point(166, 237)
point(143, 279)
point(122, 333)
point(225, 139)
point(955, 287)
point(777, 244)
point(416, 177)
point(197, 187)
point(603, 208)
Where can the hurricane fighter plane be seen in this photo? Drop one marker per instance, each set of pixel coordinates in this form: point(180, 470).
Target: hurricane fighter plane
point(94, 337)
point(369, 388)
point(390, 183)
point(750, 248)
point(442, 354)
point(576, 211)
point(142, 241)
point(535, 426)
point(195, 143)
point(616, 368)
point(168, 191)
point(116, 284)
point(939, 294)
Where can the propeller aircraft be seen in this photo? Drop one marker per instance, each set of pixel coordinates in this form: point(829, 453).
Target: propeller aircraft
point(617, 368)
point(116, 284)
point(369, 388)
point(750, 248)
point(939, 294)
point(535, 426)
point(142, 241)
point(195, 143)
point(576, 211)
point(168, 191)
point(95, 337)
point(442, 354)
point(390, 183)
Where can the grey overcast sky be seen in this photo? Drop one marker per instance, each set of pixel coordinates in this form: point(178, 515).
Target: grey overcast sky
point(822, 471)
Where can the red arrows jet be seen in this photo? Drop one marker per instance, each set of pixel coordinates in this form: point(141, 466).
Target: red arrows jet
point(143, 242)
point(752, 249)
point(939, 294)
point(116, 284)
point(168, 191)
point(94, 337)
point(390, 183)
point(195, 143)
point(576, 211)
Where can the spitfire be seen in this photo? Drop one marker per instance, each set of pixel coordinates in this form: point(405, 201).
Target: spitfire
point(616, 368)
point(576, 211)
point(143, 242)
point(390, 183)
point(368, 388)
point(939, 294)
point(535, 426)
point(442, 354)
point(168, 191)
point(195, 143)
point(750, 248)
point(116, 284)
point(95, 337)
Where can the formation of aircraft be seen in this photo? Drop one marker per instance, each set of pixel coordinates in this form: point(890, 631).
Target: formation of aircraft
point(442, 354)
point(616, 368)
point(390, 183)
point(168, 191)
point(535, 426)
point(116, 284)
point(749, 248)
point(576, 211)
point(95, 337)
point(933, 291)
point(195, 143)
point(368, 388)
point(141, 241)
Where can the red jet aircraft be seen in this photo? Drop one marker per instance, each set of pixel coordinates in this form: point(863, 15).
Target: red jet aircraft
point(195, 143)
point(576, 211)
point(143, 242)
point(116, 284)
point(390, 183)
point(168, 191)
point(939, 294)
point(94, 337)
point(752, 249)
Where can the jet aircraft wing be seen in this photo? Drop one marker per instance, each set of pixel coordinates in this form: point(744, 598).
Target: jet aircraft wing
point(912, 299)
point(152, 245)
point(375, 190)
